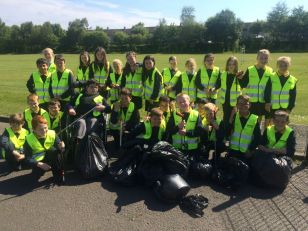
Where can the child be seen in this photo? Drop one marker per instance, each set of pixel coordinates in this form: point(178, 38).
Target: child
point(114, 80)
point(12, 142)
point(213, 138)
point(206, 79)
point(83, 68)
point(170, 77)
point(125, 112)
point(280, 92)
point(62, 82)
point(201, 109)
point(152, 82)
point(82, 104)
point(55, 116)
point(279, 139)
point(33, 110)
point(39, 82)
point(184, 127)
point(132, 78)
point(255, 80)
point(164, 106)
point(229, 87)
point(186, 82)
point(42, 148)
point(245, 131)
point(99, 70)
point(49, 56)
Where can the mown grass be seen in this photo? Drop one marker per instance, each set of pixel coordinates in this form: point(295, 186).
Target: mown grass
point(16, 69)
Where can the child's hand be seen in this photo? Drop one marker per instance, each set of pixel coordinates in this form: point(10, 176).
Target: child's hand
point(61, 146)
point(182, 125)
point(182, 132)
point(72, 112)
point(43, 166)
point(240, 74)
point(100, 107)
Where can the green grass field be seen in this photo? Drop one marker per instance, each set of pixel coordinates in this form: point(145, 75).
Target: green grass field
point(16, 69)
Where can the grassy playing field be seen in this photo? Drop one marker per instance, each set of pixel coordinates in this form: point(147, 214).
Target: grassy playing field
point(16, 69)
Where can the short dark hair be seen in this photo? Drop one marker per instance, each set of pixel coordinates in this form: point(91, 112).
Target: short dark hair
point(59, 56)
point(164, 98)
point(245, 98)
point(281, 113)
point(92, 81)
point(41, 61)
point(16, 118)
point(209, 55)
point(201, 101)
point(172, 58)
point(125, 91)
point(54, 102)
point(156, 112)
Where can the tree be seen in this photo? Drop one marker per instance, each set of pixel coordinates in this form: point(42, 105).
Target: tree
point(93, 39)
point(187, 15)
point(120, 40)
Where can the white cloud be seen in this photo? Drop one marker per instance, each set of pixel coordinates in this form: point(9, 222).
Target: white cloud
point(100, 13)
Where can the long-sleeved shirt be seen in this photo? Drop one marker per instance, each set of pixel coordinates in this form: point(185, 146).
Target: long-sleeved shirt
point(28, 151)
point(126, 71)
point(256, 137)
point(140, 129)
point(6, 143)
point(198, 78)
point(71, 86)
point(131, 123)
point(179, 84)
point(30, 83)
point(290, 144)
point(292, 93)
point(245, 80)
point(157, 81)
point(109, 82)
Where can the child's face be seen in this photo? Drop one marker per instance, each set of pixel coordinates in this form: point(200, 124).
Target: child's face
point(131, 59)
point(16, 127)
point(183, 103)
point(209, 62)
point(60, 63)
point(43, 68)
point(283, 67)
point(149, 64)
point(125, 100)
point(41, 130)
point(53, 109)
point(84, 59)
point(156, 121)
point(190, 67)
point(280, 123)
point(92, 89)
point(243, 106)
point(117, 67)
point(262, 59)
point(164, 106)
point(33, 104)
point(232, 66)
point(99, 56)
point(48, 55)
point(209, 114)
point(173, 63)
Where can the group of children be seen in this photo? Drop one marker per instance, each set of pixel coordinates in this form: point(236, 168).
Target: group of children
point(181, 108)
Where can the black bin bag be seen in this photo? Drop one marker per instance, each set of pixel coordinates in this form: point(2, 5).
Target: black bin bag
point(271, 171)
point(91, 156)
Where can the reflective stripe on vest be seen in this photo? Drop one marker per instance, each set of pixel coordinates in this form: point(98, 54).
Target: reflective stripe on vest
point(56, 121)
point(208, 82)
point(17, 141)
point(170, 81)
point(148, 131)
point(242, 137)
point(235, 90)
point(28, 116)
point(59, 87)
point(256, 86)
point(98, 100)
point(125, 118)
point(149, 86)
point(185, 142)
point(40, 87)
point(134, 82)
point(82, 75)
point(282, 142)
point(281, 94)
point(38, 150)
point(100, 74)
point(189, 87)
point(114, 92)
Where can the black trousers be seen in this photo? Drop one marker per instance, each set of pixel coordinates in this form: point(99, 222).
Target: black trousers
point(12, 163)
point(227, 109)
point(137, 100)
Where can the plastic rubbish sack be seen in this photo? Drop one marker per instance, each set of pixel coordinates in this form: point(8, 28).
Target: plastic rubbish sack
point(201, 169)
point(171, 188)
point(91, 156)
point(194, 205)
point(271, 171)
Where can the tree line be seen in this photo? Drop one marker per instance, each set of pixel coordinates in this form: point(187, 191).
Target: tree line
point(284, 30)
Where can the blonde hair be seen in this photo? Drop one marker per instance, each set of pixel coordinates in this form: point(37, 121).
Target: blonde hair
point(232, 58)
point(48, 49)
point(119, 62)
point(210, 107)
point(263, 52)
point(192, 61)
point(182, 95)
point(284, 59)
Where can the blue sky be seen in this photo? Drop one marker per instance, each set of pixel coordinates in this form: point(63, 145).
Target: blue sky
point(125, 13)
